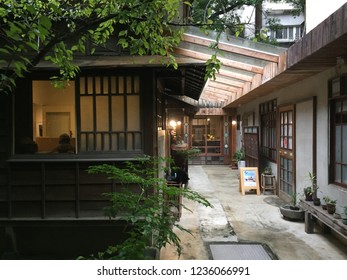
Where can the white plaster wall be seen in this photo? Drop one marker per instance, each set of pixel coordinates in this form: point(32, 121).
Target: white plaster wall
point(304, 138)
point(319, 10)
point(295, 94)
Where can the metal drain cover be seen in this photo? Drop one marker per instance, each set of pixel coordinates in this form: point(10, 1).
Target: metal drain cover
point(240, 251)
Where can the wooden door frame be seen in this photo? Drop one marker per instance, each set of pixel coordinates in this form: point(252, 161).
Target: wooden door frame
point(284, 108)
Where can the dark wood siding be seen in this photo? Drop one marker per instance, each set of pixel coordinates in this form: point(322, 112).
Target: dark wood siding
point(4, 149)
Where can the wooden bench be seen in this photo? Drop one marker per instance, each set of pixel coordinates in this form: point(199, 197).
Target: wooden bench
point(312, 210)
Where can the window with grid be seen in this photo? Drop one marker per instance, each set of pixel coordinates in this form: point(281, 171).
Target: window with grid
point(268, 130)
point(338, 130)
point(109, 113)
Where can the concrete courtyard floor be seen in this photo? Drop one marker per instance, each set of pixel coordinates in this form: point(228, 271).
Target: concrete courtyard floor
point(248, 218)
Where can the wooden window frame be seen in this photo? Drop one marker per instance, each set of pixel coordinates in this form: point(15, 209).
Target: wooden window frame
point(268, 142)
point(337, 93)
point(109, 94)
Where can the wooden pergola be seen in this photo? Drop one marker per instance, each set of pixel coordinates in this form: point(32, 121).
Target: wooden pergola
point(250, 70)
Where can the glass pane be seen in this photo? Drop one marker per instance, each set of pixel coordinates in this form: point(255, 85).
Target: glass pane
point(97, 85)
point(213, 150)
point(121, 141)
point(290, 117)
point(290, 143)
point(120, 84)
point(90, 85)
point(83, 142)
point(290, 130)
point(130, 143)
point(87, 142)
point(107, 142)
point(99, 142)
point(290, 165)
point(136, 84)
point(86, 113)
point(117, 113)
point(113, 82)
point(129, 88)
point(133, 113)
point(82, 85)
point(290, 178)
point(105, 85)
point(102, 121)
point(344, 106)
point(338, 106)
point(138, 144)
point(338, 144)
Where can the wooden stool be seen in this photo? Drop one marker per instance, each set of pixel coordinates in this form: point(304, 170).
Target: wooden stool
point(268, 183)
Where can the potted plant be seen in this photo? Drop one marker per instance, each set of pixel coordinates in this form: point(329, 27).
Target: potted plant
point(325, 201)
point(267, 170)
point(292, 211)
point(331, 206)
point(308, 193)
point(239, 157)
point(311, 191)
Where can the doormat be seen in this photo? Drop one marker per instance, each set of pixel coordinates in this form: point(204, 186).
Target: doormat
point(241, 251)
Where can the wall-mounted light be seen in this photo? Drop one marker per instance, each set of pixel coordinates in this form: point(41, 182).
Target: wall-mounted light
point(234, 122)
point(173, 123)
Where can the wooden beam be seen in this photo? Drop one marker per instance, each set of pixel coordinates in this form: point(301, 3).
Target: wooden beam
point(231, 48)
point(234, 75)
point(226, 82)
point(226, 62)
point(220, 95)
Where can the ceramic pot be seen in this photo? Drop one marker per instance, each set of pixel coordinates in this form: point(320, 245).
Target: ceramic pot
point(316, 201)
point(331, 208)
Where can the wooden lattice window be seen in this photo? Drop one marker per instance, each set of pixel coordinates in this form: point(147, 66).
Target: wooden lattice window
point(268, 145)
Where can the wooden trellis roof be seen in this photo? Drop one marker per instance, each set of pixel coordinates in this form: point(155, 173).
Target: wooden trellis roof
point(251, 70)
point(245, 65)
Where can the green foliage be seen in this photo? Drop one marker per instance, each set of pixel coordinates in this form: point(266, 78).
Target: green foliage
point(267, 170)
point(313, 187)
point(326, 199)
point(239, 155)
point(145, 202)
point(333, 202)
point(294, 197)
point(57, 31)
point(220, 15)
point(189, 153)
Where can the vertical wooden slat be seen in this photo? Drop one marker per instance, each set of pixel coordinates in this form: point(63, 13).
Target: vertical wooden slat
point(43, 190)
point(77, 190)
point(9, 194)
point(94, 115)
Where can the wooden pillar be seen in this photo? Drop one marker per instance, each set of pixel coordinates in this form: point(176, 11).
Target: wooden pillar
point(309, 223)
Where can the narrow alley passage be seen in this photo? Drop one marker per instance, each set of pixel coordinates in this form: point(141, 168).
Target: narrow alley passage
point(249, 218)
